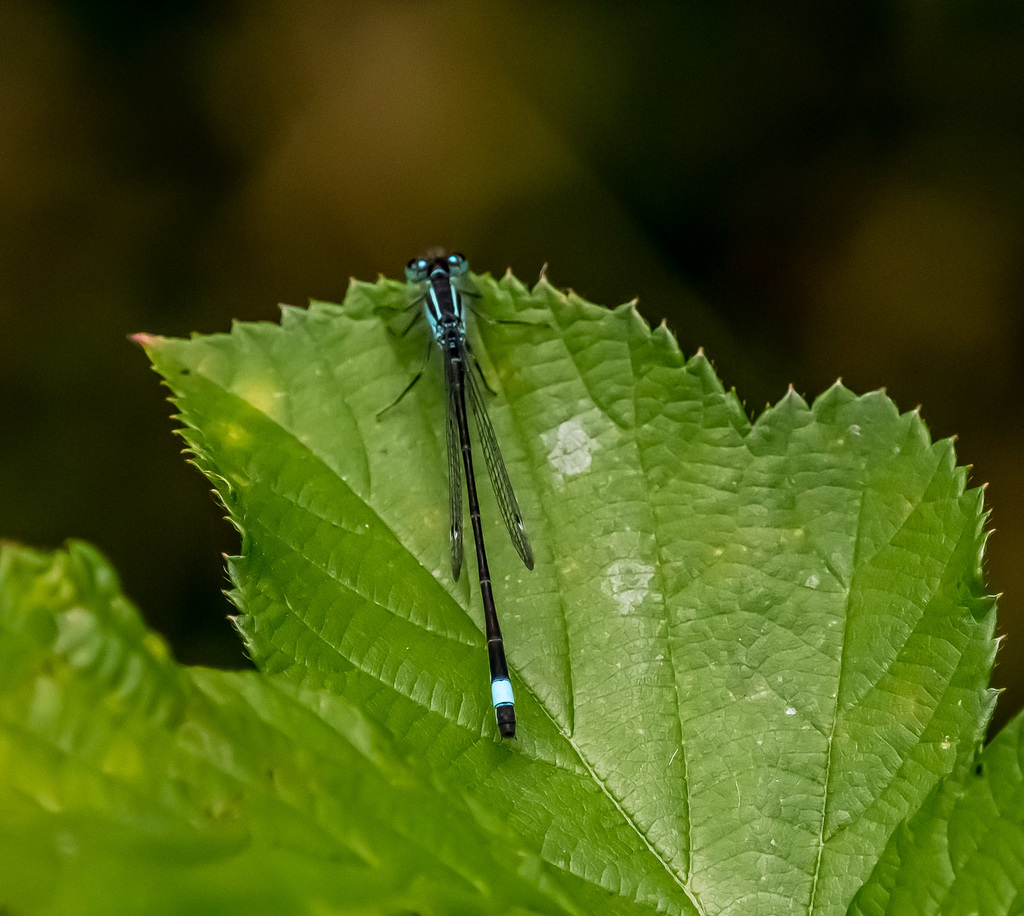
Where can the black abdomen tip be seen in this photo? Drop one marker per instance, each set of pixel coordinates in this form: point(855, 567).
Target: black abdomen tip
point(506, 716)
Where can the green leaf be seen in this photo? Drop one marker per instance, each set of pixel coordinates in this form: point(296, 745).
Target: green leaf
point(747, 655)
point(963, 852)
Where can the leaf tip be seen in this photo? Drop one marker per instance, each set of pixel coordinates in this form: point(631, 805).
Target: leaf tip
point(146, 341)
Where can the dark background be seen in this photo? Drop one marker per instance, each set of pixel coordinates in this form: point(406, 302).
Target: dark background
point(807, 190)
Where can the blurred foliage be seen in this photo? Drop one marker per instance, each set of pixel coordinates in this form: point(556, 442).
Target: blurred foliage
point(807, 191)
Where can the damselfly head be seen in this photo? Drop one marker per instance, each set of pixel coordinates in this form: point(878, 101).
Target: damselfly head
point(420, 269)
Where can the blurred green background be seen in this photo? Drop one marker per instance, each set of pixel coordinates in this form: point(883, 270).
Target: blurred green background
point(807, 190)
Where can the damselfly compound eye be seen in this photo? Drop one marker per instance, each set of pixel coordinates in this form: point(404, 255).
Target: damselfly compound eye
point(416, 270)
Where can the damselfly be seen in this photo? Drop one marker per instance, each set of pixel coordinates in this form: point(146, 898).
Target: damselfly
point(437, 282)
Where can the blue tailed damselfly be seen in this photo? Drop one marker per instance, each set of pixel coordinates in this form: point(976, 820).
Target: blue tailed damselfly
point(434, 281)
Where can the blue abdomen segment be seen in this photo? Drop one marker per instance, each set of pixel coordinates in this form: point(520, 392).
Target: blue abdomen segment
point(501, 692)
point(504, 711)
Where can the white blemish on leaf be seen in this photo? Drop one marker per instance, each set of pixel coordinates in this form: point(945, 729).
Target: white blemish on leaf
point(627, 584)
point(570, 449)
